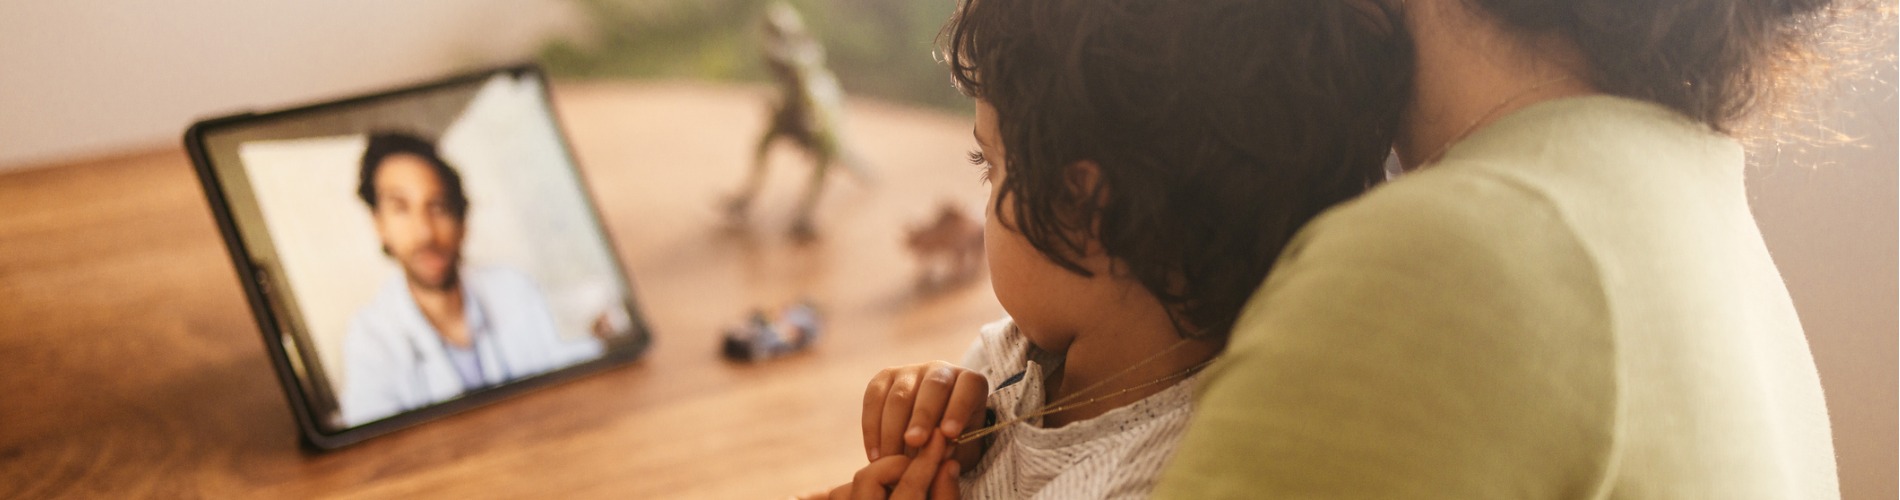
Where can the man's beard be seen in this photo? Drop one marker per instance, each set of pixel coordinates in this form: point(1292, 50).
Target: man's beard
point(451, 274)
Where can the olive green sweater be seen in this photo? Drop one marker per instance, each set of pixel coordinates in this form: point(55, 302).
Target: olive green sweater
point(1574, 303)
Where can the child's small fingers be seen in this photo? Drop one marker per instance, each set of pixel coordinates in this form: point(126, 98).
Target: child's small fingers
point(868, 492)
point(933, 393)
point(871, 481)
point(897, 408)
point(945, 487)
point(921, 472)
point(874, 395)
point(971, 392)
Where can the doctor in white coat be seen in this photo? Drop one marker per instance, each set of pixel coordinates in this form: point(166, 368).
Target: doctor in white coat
point(440, 328)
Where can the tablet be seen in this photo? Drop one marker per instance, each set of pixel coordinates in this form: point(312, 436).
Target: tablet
point(416, 252)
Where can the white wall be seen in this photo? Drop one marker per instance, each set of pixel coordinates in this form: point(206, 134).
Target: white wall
point(1830, 217)
point(85, 78)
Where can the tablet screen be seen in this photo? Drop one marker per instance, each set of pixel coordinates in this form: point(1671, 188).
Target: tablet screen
point(419, 247)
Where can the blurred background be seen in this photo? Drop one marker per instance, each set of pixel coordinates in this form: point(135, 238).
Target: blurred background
point(88, 79)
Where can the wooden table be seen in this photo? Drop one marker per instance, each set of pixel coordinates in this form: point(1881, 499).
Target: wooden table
point(129, 365)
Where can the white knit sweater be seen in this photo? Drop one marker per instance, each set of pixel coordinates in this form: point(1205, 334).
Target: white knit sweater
point(1118, 454)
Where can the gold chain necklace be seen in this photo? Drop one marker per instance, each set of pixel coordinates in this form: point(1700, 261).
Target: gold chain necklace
point(1473, 127)
point(1063, 404)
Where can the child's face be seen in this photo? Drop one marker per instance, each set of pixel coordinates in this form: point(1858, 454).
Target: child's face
point(1047, 302)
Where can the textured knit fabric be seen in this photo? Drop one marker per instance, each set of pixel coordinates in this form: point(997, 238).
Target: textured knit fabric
point(1574, 303)
point(1115, 455)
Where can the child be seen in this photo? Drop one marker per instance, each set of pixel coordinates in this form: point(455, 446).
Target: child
point(1147, 161)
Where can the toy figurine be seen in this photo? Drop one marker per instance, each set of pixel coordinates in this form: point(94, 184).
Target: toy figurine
point(949, 249)
point(808, 111)
point(761, 338)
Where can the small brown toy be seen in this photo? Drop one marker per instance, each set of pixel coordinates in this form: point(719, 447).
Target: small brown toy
point(949, 249)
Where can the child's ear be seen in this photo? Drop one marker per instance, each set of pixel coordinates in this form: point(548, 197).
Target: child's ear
point(1086, 189)
point(1382, 16)
point(1087, 195)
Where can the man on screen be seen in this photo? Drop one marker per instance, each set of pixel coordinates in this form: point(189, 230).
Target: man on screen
point(439, 328)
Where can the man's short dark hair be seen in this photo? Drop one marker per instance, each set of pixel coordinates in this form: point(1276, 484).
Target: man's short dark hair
point(384, 144)
point(1220, 126)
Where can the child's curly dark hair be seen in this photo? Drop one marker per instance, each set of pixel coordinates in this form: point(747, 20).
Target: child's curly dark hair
point(1220, 127)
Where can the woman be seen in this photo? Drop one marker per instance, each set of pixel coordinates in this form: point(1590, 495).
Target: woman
point(1564, 297)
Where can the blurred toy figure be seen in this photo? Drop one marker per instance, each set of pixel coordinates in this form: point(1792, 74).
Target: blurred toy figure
point(949, 249)
point(808, 112)
point(761, 338)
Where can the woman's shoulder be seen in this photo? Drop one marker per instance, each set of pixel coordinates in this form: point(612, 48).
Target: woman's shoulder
point(1462, 263)
point(1465, 242)
point(1461, 215)
point(1531, 192)
point(1454, 306)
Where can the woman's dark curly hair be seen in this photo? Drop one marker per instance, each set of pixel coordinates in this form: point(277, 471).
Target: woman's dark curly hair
point(1220, 128)
point(1713, 60)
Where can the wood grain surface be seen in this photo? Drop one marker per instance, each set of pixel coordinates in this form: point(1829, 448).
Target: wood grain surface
point(129, 365)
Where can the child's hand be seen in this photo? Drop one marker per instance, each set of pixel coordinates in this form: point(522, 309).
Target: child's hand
point(931, 474)
point(903, 405)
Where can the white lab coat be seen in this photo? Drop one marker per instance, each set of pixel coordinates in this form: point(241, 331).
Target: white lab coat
point(394, 361)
